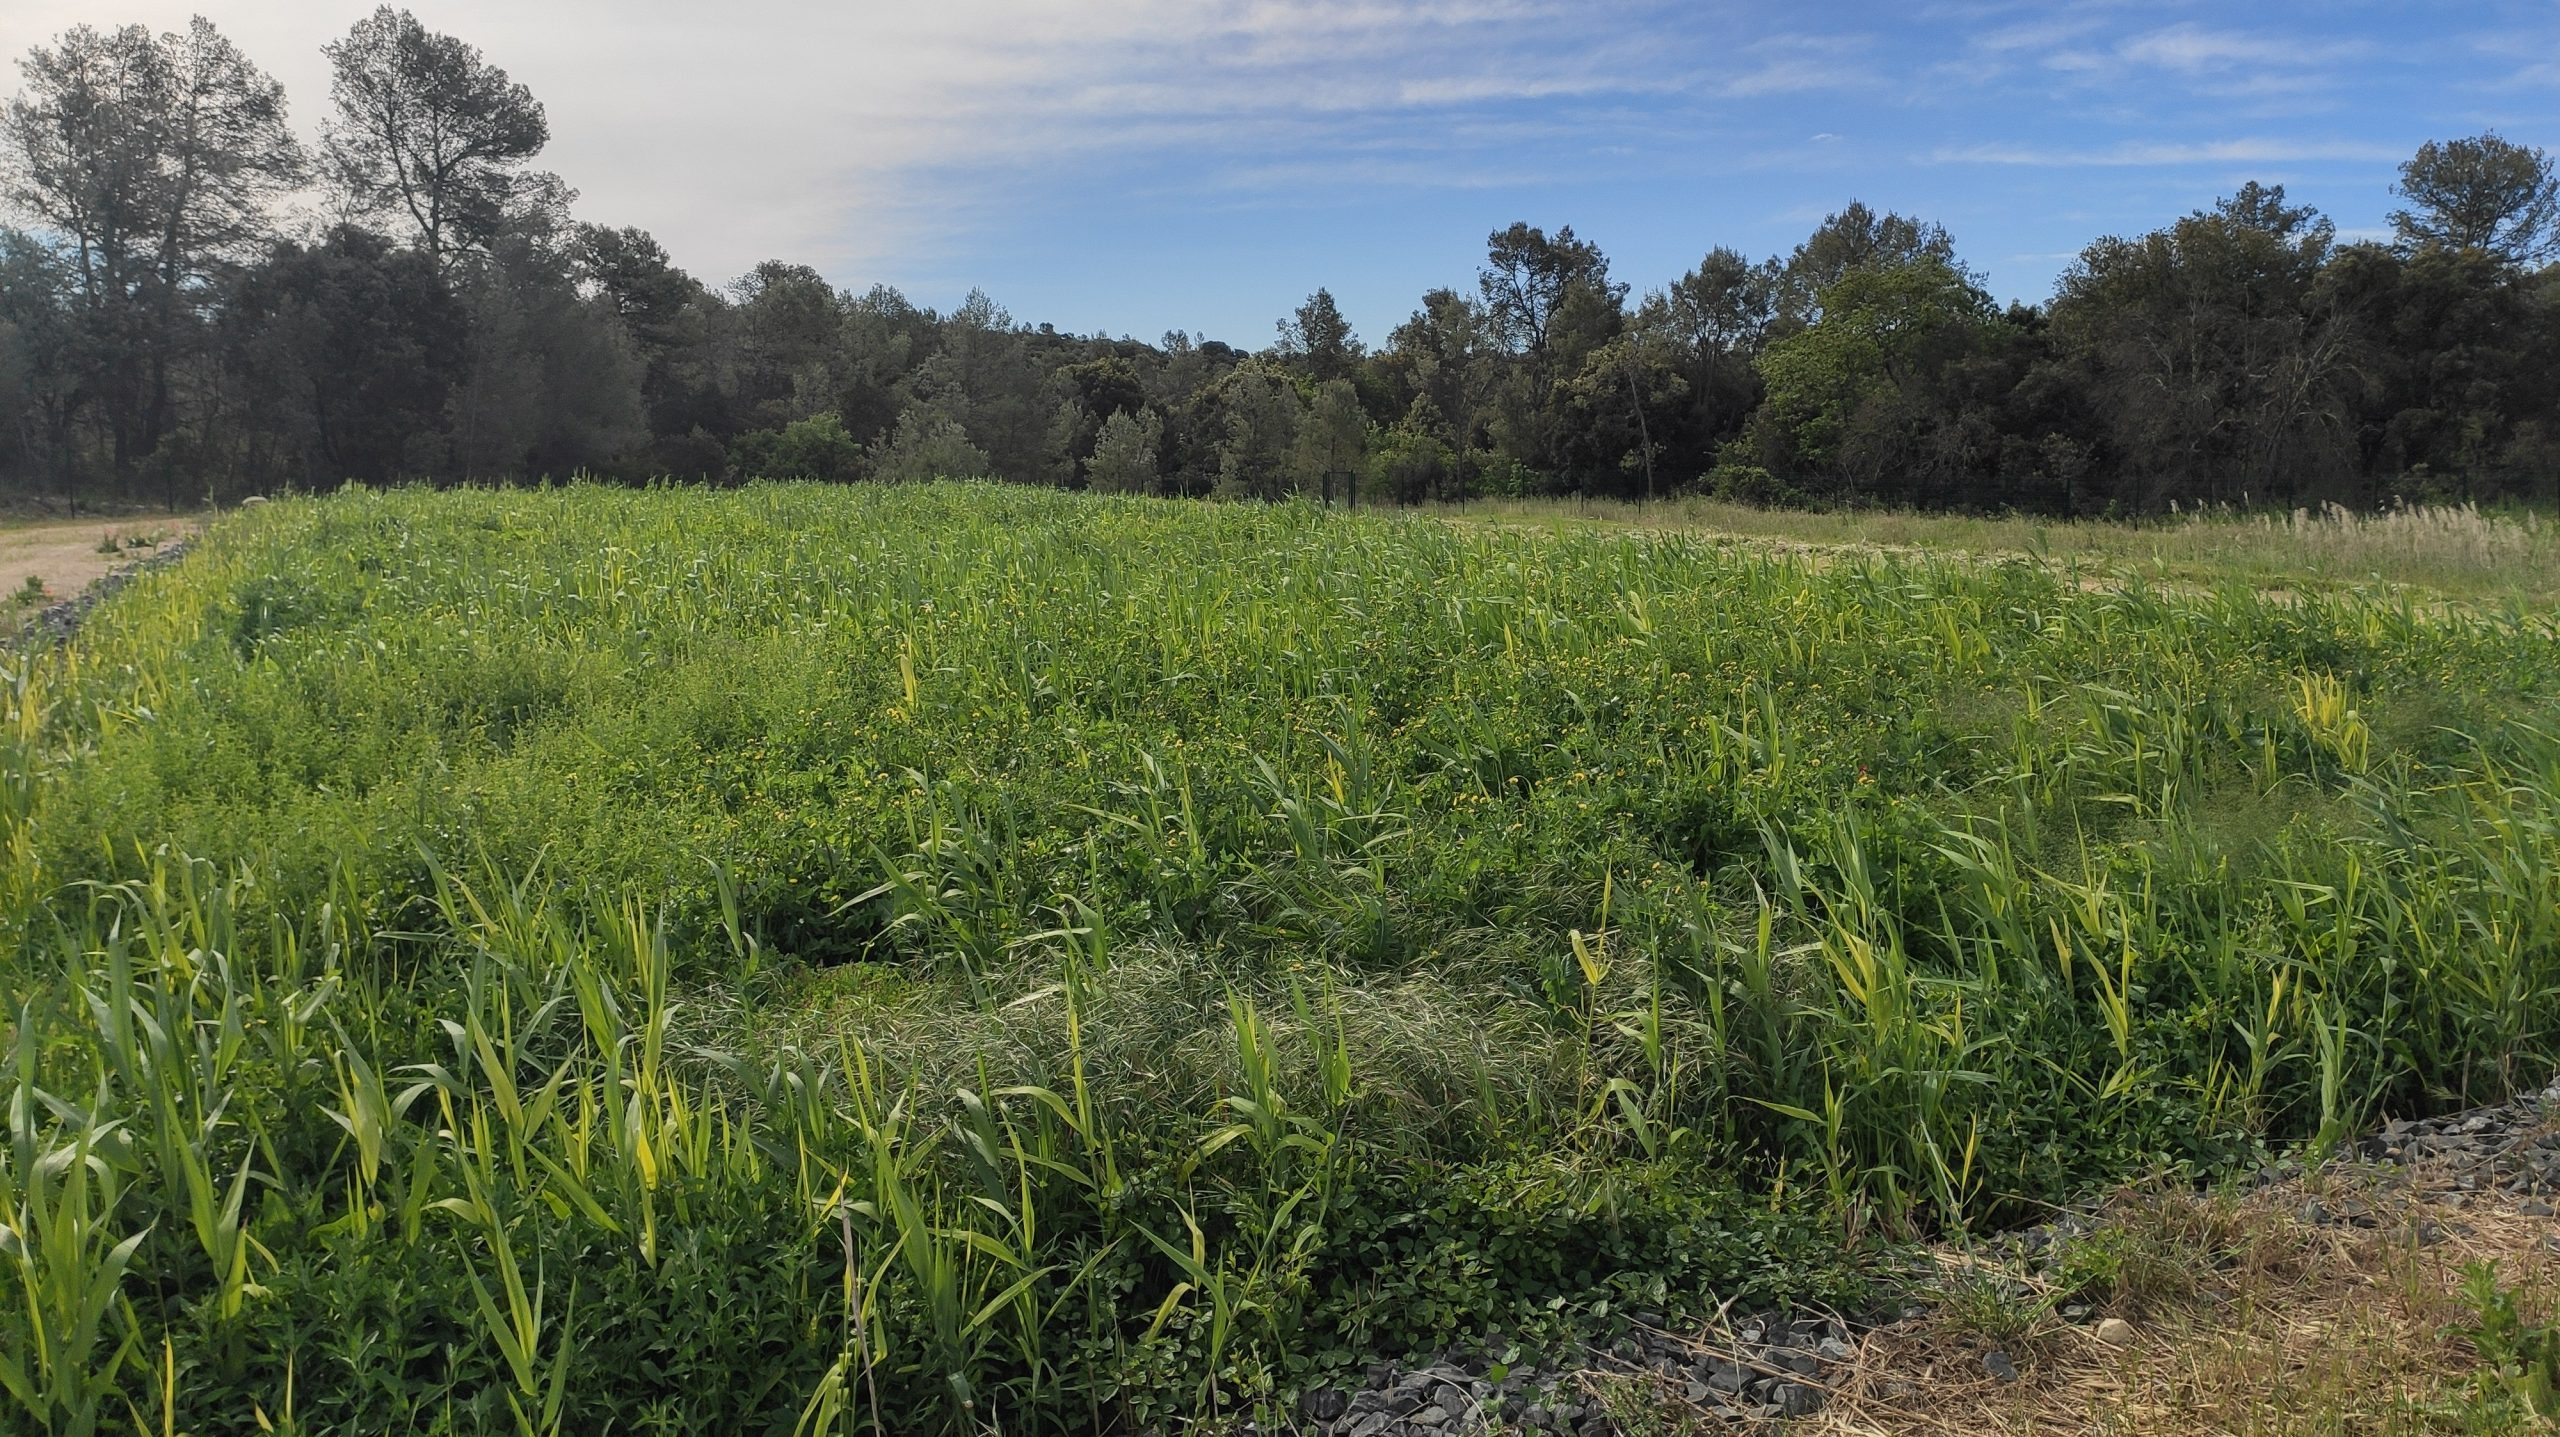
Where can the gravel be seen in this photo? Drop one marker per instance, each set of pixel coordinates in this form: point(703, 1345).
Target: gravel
point(2509, 1148)
point(1766, 1367)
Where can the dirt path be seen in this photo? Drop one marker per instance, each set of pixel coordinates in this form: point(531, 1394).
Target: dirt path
point(66, 556)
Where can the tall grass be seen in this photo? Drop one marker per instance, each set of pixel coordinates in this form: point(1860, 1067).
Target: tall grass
point(2458, 550)
point(970, 959)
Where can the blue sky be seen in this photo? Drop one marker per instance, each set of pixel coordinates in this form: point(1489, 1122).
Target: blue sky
point(1134, 166)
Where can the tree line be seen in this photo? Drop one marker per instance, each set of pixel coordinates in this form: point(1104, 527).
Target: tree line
point(195, 303)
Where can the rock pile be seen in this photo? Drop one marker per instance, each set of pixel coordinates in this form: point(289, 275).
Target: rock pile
point(2512, 1148)
point(1764, 1368)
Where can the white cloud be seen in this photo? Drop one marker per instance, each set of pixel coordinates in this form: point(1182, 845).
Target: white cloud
point(2194, 49)
point(998, 141)
point(1797, 64)
point(2044, 34)
point(2168, 153)
point(859, 135)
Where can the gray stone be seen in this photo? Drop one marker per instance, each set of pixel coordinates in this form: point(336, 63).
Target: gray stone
point(1796, 1399)
point(1434, 1415)
point(1371, 1425)
point(1997, 1363)
point(1724, 1377)
point(1835, 1350)
point(1323, 1404)
point(2116, 1332)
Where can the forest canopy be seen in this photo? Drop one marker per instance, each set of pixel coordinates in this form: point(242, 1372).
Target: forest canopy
point(195, 304)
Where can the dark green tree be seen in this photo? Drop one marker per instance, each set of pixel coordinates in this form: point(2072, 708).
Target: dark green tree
point(1854, 238)
point(426, 133)
point(1125, 453)
point(2483, 193)
point(153, 160)
point(1852, 395)
point(1548, 302)
point(817, 447)
point(928, 444)
point(551, 380)
point(345, 353)
point(1258, 439)
point(2222, 369)
point(1318, 342)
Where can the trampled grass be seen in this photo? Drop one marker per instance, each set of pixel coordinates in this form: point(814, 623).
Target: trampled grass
point(951, 957)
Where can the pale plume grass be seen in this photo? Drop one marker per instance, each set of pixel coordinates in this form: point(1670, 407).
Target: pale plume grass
point(2459, 551)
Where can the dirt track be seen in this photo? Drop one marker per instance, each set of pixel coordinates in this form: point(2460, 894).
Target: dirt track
point(66, 553)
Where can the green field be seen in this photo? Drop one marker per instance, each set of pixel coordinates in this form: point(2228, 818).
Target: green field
point(956, 956)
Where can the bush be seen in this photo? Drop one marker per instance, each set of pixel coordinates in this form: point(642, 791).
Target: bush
point(1751, 484)
point(1410, 468)
point(927, 445)
point(817, 447)
point(693, 455)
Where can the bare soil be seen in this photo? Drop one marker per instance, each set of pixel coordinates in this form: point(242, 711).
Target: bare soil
point(68, 555)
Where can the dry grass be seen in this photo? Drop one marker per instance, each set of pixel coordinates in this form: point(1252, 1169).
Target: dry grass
point(2246, 1319)
point(2290, 1328)
point(2455, 550)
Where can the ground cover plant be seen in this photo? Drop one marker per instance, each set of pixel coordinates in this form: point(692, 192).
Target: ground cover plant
point(956, 957)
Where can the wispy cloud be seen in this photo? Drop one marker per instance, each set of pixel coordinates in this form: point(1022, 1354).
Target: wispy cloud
point(1089, 146)
point(2091, 44)
point(2167, 153)
point(2194, 49)
point(1799, 64)
point(1260, 92)
point(2035, 35)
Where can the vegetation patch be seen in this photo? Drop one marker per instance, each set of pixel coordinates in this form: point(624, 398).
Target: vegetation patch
point(959, 957)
